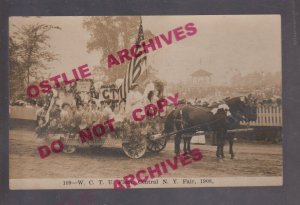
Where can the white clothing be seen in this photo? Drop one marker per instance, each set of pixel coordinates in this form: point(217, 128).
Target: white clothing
point(133, 101)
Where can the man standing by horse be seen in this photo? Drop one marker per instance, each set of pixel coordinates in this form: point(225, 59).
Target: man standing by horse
point(188, 119)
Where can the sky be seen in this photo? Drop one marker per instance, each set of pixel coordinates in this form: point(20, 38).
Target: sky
point(224, 45)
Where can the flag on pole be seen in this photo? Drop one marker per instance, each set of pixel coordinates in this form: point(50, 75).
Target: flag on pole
point(136, 67)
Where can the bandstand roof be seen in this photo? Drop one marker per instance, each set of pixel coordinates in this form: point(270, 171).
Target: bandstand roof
point(201, 73)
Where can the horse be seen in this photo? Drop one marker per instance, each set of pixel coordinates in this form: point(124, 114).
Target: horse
point(188, 119)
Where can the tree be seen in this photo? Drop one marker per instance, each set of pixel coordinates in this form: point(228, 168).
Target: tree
point(16, 76)
point(28, 54)
point(110, 34)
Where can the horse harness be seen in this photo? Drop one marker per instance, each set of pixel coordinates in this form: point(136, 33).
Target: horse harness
point(183, 122)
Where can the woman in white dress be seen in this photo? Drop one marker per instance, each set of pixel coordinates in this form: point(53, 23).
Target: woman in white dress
point(133, 101)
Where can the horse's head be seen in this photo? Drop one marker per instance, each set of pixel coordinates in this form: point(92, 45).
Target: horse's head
point(243, 108)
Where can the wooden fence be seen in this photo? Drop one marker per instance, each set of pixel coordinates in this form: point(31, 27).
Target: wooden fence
point(270, 115)
point(22, 112)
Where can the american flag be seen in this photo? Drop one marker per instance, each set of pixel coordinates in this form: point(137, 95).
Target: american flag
point(136, 67)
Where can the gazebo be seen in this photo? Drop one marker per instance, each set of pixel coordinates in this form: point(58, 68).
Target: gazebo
point(201, 78)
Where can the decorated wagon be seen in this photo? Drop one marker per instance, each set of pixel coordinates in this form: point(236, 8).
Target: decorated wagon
point(84, 104)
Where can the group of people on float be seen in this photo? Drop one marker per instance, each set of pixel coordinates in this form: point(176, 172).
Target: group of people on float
point(67, 111)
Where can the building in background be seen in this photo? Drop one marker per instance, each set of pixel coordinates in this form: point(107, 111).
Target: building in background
point(201, 78)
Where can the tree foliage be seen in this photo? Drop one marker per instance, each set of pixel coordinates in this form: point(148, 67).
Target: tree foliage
point(29, 53)
point(109, 34)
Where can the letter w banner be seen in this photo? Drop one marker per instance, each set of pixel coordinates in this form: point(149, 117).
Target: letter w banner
point(136, 67)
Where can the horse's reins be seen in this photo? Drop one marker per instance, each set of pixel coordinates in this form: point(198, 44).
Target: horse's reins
point(196, 126)
point(190, 128)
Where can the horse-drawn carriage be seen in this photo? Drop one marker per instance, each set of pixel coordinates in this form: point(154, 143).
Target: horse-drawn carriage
point(135, 139)
point(138, 137)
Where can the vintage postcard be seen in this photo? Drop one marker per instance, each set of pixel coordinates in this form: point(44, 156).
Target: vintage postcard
point(129, 102)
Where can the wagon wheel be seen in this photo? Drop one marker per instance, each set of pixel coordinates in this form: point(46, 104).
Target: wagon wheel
point(68, 142)
point(69, 149)
point(134, 147)
point(157, 145)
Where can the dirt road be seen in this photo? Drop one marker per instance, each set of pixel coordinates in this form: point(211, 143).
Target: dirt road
point(252, 160)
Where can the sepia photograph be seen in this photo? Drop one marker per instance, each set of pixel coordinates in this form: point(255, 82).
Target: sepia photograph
point(128, 102)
